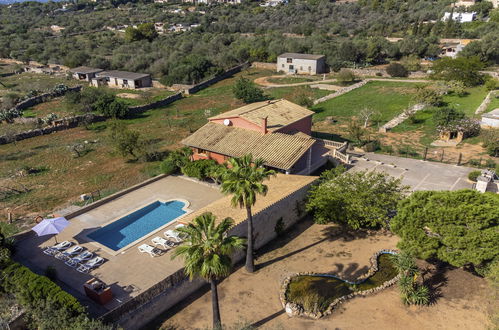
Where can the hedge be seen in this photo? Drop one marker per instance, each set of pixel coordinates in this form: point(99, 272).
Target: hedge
point(32, 289)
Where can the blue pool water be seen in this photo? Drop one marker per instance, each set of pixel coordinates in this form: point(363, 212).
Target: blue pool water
point(130, 228)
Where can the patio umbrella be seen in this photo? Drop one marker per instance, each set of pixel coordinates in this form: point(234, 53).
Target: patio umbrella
point(51, 226)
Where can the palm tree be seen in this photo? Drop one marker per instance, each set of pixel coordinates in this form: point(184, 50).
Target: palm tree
point(243, 180)
point(207, 252)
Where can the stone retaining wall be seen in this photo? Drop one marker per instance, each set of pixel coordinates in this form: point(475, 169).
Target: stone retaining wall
point(400, 118)
point(293, 309)
point(158, 104)
point(57, 125)
point(341, 91)
point(263, 65)
point(485, 103)
point(202, 85)
point(32, 101)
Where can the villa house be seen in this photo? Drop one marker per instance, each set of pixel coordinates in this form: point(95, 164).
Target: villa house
point(84, 73)
point(295, 63)
point(122, 79)
point(277, 131)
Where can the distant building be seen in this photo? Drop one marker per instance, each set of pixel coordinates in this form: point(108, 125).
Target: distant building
point(490, 119)
point(295, 63)
point(460, 17)
point(488, 181)
point(84, 73)
point(273, 3)
point(453, 47)
point(122, 79)
point(464, 3)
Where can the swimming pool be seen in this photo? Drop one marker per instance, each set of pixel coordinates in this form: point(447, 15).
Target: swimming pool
point(137, 224)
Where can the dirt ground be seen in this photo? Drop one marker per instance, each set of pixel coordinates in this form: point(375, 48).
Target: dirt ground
point(129, 95)
point(460, 302)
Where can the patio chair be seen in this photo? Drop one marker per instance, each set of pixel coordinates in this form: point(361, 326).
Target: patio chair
point(52, 250)
point(174, 235)
point(181, 235)
point(84, 256)
point(69, 253)
point(164, 243)
point(91, 264)
point(146, 248)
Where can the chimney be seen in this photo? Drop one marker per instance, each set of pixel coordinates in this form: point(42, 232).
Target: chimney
point(264, 125)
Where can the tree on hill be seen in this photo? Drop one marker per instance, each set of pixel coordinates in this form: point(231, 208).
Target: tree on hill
point(207, 252)
point(355, 200)
point(143, 31)
point(247, 91)
point(458, 227)
point(466, 70)
point(397, 70)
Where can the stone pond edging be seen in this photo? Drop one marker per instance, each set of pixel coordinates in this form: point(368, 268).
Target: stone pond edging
point(293, 309)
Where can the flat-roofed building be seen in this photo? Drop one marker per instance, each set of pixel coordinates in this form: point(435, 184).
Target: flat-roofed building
point(122, 79)
point(295, 63)
point(84, 73)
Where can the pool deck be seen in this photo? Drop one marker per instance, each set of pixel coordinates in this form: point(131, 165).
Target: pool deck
point(129, 272)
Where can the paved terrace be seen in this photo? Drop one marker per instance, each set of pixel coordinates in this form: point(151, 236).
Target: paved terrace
point(130, 272)
point(418, 174)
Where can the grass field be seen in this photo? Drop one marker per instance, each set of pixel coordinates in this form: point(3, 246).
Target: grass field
point(388, 98)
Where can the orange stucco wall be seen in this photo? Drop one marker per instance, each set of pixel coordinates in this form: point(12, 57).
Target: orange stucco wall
point(219, 158)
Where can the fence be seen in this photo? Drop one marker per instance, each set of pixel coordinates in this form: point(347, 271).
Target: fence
point(441, 155)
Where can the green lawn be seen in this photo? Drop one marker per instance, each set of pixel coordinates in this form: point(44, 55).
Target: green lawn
point(389, 98)
point(291, 93)
point(468, 103)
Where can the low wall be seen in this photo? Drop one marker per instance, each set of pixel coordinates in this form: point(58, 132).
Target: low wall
point(341, 91)
point(263, 65)
point(157, 104)
point(380, 72)
point(144, 308)
point(209, 82)
point(57, 125)
point(32, 101)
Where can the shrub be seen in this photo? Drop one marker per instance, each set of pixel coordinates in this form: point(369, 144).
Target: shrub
point(473, 175)
point(110, 107)
point(397, 70)
point(428, 96)
point(491, 84)
point(304, 100)
point(198, 169)
point(411, 62)
point(31, 289)
point(125, 141)
point(345, 76)
point(247, 91)
point(371, 146)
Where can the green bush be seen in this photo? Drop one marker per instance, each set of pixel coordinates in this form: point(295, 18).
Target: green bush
point(168, 166)
point(198, 169)
point(247, 91)
point(473, 175)
point(31, 289)
point(397, 70)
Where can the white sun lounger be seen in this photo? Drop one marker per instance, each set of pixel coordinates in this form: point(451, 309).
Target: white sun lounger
point(84, 256)
point(57, 248)
point(69, 253)
point(173, 234)
point(146, 248)
point(164, 243)
point(91, 264)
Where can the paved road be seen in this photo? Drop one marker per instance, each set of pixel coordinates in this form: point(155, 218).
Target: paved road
point(418, 174)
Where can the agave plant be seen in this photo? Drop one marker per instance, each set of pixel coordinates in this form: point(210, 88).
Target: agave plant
point(419, 295)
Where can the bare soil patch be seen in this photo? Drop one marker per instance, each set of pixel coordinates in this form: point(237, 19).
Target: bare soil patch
point(129, 95)
point(461, 302)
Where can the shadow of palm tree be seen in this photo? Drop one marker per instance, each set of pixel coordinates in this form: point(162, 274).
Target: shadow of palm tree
point(267, 319)
point(329, 233)
point(436, 280)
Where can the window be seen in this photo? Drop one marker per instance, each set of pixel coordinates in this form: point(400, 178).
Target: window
point(289, 60)
point(283, 65)
point(301, 68)
point(309, 68)
point(125, 82)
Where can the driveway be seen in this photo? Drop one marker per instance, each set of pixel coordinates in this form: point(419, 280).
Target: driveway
point(418, 174)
